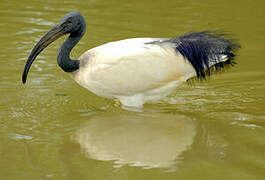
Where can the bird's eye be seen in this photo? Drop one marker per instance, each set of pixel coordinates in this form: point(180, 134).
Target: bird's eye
point(69, 22)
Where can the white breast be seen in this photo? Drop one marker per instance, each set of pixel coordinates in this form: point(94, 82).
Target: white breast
point(133, 70)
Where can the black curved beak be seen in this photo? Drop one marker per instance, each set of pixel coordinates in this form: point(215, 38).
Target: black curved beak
point(47, 39)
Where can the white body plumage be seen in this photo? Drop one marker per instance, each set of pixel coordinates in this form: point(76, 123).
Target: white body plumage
point(134, 71)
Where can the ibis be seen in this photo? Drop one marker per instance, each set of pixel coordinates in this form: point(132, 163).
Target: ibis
point(138, 70)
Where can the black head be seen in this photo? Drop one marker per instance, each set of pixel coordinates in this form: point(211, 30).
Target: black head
point(73, 23)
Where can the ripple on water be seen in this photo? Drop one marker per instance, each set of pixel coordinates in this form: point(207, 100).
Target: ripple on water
point(19, 136)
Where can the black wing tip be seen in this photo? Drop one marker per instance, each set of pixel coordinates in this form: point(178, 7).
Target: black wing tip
point(202, 48)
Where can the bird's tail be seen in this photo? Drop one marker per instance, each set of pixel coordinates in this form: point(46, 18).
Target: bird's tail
point(207, 51)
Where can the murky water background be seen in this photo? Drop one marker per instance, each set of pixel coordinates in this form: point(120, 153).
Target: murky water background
point(51, 128)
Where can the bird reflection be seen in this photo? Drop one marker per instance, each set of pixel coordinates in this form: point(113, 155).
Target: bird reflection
point(148, 140)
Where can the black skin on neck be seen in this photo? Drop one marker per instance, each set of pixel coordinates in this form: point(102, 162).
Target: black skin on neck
point(63, 58)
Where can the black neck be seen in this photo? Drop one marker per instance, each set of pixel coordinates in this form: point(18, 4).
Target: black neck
point(63, 58)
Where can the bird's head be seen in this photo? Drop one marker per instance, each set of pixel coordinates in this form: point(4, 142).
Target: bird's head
point(73, 23)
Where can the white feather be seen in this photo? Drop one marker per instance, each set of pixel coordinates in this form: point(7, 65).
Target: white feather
point(133, 70)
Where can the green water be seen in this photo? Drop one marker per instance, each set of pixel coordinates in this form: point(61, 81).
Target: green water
point(51, 128)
